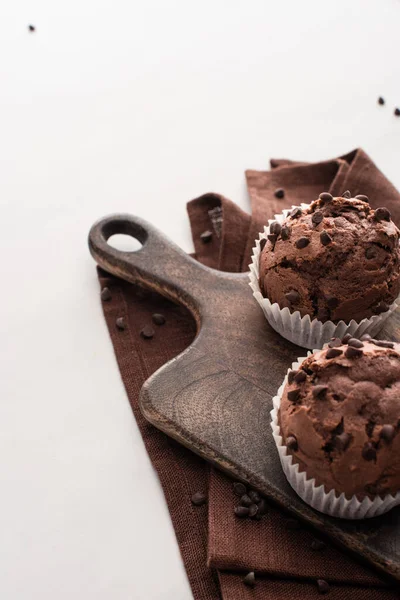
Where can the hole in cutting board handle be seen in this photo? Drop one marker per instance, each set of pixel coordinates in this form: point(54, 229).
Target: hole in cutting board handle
point(124, 242)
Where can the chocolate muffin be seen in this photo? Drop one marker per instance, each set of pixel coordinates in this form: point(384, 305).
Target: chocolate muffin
point(336, 260)
point(340, 417)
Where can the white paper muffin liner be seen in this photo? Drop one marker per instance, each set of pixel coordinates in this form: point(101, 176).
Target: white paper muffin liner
point(302, 330)
point(331, 503)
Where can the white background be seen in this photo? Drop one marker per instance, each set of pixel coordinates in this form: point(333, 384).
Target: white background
point(138, 107)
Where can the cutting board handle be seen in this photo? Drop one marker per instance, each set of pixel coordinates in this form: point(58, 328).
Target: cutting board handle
point(159, 263)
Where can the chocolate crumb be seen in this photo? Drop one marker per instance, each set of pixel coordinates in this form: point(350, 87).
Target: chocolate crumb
point(241, 511)
point(206, 236)
point(292, 443)
point(352, 352)
point(362, 215)
point(355, 343)
point(272, 238)
point(325, 238)
point(318, 545)
point(369, 452)
point(147, 332)
point(302, 243)
point(293, 297)
point(120, 323)
point(291, 376)
point(382, 214)
point(387, 433)
point(250, 579)
point(335, 343)
point(279, 193)
point(381, 308)
point(346, 338)
point(245, 500)
point(296, 212)
point(381, 100)
point(341, 441)
point(285, 232)
point(318, 390)
point(275, 228)
point(317, 217)
point(323, 586)
point(333, 353)
point(199, 498)
point(253, 510)
point(254, 496)
point(300, 376)
point(346, 194)
point(263, 241)
point(31, 28)
point(326, 197)
point(158, 319)
point(362, 197)
point(397, 112)
point(239, 488)
point(105, 294)
point(293, 395)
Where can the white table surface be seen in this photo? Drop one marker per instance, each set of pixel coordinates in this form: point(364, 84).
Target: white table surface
point(138, 107)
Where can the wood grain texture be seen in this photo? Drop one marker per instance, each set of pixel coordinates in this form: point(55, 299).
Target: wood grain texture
point(216, 397)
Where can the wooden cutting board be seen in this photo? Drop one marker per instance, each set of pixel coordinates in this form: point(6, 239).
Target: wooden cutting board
point(216, 397)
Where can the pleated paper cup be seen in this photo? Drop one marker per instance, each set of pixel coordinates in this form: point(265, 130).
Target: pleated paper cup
point(300, 330)
point(330, 503)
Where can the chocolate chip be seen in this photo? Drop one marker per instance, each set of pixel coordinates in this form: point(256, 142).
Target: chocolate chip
point(382, 343)
point(333, 353)
point(365, 338)
point(332, 302)
point(387, 433)
point(272, 238)
point(31, 28)
point(346, 194)
point(325, 238)
point(300, 376)
point(382, 214)
point(370, 253)
point(341, 441)
point(120, 323)
point(279, 193)
point(318, 545)
point(335, 343)
point(255, 496)
point(381, 308)
point(147, 332)
point(105, 294)
point(355, 343)
point(262, 507)
point(263, 241)
point(397, 112)
point(245, 500)
point(253, 510)
point(346, 338)
point(323, 586)
point(275, 228)
point(318, 390)
point(362, 197)
point(317, 217)
point(352, 352)
point(199, 498)
point(293, 297)
point(250, 579)
point(293, 395)
point(296, 212)
point(381, 100)
point(241, 511)
point(239, 488)
point(206, 236)
point(291, 376)
point(158, 319)
point(285, 232)
point(326, 197)
point(302, 243)
point(292, 443)
point(369, 452)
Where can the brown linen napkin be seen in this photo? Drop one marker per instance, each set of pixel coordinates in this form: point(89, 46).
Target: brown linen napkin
point(285, 563)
